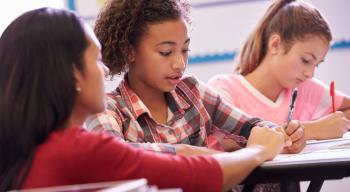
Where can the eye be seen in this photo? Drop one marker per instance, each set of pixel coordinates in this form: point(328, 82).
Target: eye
point(185, 51)
point(305, 61)
point(165, 53)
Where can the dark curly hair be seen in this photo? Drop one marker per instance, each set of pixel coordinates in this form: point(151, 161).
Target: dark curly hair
point(122, 23)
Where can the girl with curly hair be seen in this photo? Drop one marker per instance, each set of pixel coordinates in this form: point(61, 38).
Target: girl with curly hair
point(156, 103)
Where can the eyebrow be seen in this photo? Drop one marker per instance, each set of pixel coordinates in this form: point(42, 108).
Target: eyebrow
point(172, 42)
point(314, 56)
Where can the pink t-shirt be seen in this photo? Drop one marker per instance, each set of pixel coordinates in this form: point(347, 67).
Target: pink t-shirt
point(313, 99)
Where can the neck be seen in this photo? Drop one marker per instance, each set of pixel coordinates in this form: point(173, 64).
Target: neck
point(263, 80)
point(151, 97)
point(77, 118)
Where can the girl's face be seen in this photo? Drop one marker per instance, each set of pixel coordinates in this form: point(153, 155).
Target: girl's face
point(90, 81)
point(299, 63)
point(160, 58)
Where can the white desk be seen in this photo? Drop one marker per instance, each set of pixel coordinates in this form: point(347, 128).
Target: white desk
point(319, 161)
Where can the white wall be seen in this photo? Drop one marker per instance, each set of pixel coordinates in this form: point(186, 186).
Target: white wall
point(9, 10)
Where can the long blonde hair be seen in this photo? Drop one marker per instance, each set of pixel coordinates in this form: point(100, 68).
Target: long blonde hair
point(292, 20)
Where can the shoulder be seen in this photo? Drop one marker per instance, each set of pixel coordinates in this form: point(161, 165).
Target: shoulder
point(312, 87)
point(228, 86)
point(74, 136)
point(313, 84)
point(190, 80)
point(80, 143)
point(223, 79)
point(189, 84)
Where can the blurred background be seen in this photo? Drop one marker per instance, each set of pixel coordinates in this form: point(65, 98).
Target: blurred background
point(219, 28)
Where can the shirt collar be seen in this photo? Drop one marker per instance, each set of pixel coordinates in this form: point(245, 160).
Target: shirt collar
point(176, 102)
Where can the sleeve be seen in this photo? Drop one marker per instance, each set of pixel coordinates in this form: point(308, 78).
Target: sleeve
point(110, 121)
point(228, 122)
point(100, 157)
point(317, 95)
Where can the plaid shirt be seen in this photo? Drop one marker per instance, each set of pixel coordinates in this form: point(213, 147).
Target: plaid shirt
point(196, 116)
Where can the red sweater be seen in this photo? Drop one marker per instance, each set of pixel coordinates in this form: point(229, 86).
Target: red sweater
point(74, 156)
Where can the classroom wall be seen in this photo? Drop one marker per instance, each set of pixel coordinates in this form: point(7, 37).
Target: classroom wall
point(9, 10)
point(220, 27)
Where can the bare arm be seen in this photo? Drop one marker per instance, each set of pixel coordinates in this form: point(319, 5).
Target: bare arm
point(236, 166)
point(188, 150)
point(331, 126)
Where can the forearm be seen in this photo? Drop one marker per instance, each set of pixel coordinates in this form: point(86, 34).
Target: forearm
point(238, 165)
point(156, 147)
point(310, 130)
point(189, 150)
point(329, 127)
point(223, 140)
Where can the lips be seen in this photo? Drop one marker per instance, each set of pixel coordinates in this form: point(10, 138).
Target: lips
point(174, 78)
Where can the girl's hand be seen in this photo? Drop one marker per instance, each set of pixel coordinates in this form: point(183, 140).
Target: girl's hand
point(297, 135)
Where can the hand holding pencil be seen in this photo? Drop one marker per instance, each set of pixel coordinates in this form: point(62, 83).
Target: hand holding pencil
point(294, 129)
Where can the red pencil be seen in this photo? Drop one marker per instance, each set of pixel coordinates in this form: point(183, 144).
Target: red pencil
point(331, 90)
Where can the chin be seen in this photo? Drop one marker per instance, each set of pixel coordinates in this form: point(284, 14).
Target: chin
point(295, 85)
point(168, 88)
point(291, 85)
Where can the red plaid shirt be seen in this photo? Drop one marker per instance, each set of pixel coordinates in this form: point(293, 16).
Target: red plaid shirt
point(196, 116)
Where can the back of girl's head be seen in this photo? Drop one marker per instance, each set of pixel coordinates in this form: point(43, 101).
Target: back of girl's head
point(122, 23)
point(37, 53)
point(292, 20)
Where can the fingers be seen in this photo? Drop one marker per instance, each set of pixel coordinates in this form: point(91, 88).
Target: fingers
point(295, 131)
point(297, 146)
point(292, 127)
point(298, 134)
point(344, 122)
point(287, 139)
point(339, 114)
point(347, 123)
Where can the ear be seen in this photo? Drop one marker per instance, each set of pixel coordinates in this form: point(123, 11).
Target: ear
point(79, 79)
point(132, 55)
point(275, 44)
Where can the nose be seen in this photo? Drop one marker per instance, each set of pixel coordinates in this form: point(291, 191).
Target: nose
point(309, 72)
point(180, 63)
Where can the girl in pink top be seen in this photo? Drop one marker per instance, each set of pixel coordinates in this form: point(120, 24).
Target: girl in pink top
point(281, 54)
point(51, 80)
